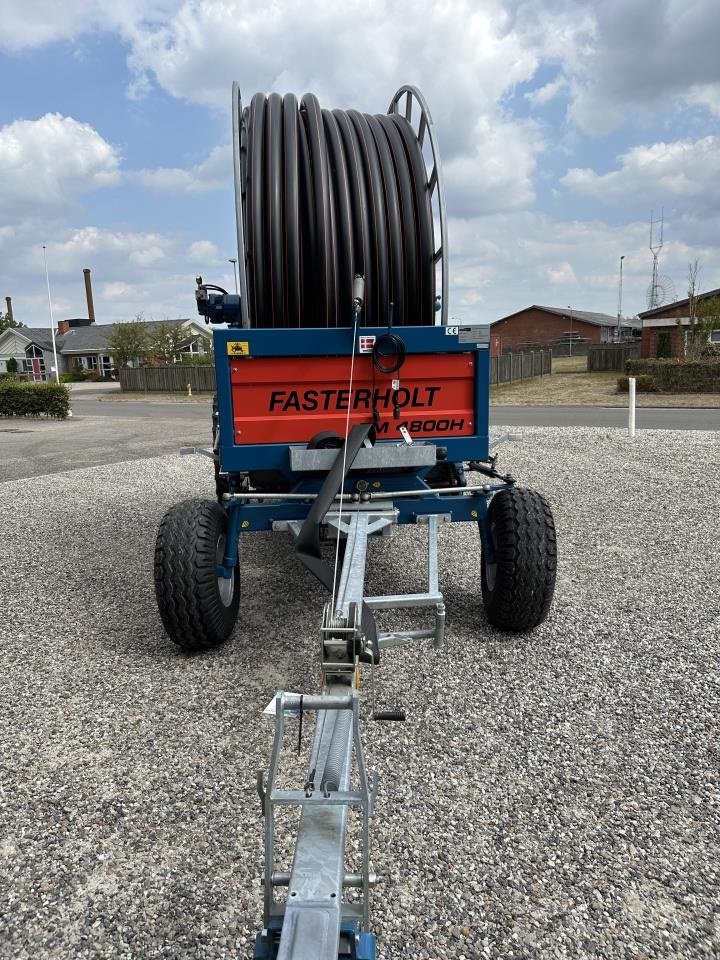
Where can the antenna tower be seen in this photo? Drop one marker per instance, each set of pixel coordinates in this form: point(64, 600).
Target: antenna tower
point(661, 289)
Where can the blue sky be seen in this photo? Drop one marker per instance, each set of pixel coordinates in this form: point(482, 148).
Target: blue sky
point(561, 124)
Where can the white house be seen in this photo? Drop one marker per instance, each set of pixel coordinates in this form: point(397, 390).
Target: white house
point(79, 343)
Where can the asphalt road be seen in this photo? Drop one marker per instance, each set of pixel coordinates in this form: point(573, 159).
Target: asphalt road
point(108, 431)
point(35, 448)
point(650, 418)
point(646, 418)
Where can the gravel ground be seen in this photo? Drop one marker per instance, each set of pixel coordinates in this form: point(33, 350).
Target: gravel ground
point(552, 795)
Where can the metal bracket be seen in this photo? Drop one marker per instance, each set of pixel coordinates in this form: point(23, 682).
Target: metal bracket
point(314, 913)
point(189, 451)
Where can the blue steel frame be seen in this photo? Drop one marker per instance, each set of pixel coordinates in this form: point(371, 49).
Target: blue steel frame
point(338, 341)
point(315, 342)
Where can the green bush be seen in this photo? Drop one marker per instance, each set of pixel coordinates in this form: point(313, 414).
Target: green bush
point(643, 384)
point(677, 375)
point(34, 399)
point(12, 365)
point(664, 344)
point(197, 359)
point(8, 376)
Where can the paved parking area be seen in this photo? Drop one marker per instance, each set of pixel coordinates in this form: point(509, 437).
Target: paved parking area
point(551, 795)
point(34, 447)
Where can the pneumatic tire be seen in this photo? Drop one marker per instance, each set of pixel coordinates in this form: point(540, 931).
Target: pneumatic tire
point(517, 589)
point(198, 608)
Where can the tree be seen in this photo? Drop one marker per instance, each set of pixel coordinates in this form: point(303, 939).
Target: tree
point(708, 315)
point(7, 322)
point(703, 315)
point(129, 341)
point(167, 340)
point(11, 365)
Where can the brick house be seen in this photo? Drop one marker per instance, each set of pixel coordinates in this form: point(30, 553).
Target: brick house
point(79, 343)
point(666, 318)
point(546, 326)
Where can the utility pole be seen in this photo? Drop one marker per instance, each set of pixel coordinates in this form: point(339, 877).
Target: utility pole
point(619, 323)
point(234, 263)
point(571, 329)
point(52, 321)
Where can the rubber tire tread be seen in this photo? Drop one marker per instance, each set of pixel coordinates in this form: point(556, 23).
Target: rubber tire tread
point(186, 576)
point(526, 558)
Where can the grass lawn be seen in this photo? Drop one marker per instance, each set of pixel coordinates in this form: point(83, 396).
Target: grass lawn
point(571, 385)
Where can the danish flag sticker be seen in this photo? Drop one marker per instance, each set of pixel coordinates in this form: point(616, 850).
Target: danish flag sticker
point(366, 344)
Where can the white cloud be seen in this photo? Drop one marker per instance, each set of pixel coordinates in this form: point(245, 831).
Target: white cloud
point(559, 274)
point(548, 92)
point(504, 262)
point(35, 23)
point(706, 95)
point(94, 245)
point(352, 56)
point(686, 170)
point(133, 272)
point(147, 256)
point(644, 57)
point(117, 290)
point(215, 172)
point(203, 251)
point(48, 163)
point(498, 175)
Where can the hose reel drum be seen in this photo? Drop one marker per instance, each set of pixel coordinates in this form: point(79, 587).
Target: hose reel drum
point(324, 195)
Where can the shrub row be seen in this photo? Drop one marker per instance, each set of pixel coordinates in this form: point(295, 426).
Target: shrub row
point(643, 384)
point(34, 399)
point(677, 375)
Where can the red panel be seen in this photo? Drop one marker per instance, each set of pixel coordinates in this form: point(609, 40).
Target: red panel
point(290, 399)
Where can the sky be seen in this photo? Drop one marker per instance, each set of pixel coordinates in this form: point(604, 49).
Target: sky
point(561, 125)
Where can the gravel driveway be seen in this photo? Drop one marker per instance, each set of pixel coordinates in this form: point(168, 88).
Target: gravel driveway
point(552, 795)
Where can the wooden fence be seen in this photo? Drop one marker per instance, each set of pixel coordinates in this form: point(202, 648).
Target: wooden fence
point(612, 356)
point(520, 366)
point(173, 378)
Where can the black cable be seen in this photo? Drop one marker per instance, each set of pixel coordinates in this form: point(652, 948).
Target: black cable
point(328, 194)
point(388, 345)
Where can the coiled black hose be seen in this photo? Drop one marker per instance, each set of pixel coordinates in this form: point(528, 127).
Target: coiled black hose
point(328, 194)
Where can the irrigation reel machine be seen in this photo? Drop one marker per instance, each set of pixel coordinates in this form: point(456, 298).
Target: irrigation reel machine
point(346, 404)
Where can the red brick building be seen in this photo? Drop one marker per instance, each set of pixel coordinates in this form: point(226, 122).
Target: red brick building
point(665, 318)
point(547, 326)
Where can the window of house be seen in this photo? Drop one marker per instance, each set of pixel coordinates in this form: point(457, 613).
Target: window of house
point(715, 336)
point(92, 362)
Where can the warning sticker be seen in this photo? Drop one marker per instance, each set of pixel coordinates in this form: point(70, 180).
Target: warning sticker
point(238, 348)
point(366, 343)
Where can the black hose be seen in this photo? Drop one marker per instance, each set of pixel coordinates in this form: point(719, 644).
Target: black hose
point(328, 195)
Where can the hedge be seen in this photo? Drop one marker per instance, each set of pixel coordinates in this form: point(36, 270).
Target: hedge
point(677, 375)
point(643, 384)
point(34, 399)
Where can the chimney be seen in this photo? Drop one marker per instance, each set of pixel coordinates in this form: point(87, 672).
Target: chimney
point(88, 294)
point(63, 326)
point(8, 301)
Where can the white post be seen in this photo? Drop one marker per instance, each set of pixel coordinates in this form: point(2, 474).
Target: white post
point(52, 321)
point(631, 407)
